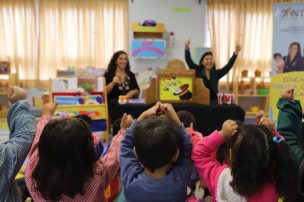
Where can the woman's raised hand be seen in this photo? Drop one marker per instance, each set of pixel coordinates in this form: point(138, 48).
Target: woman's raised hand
point(237, 49)
point(187, 43)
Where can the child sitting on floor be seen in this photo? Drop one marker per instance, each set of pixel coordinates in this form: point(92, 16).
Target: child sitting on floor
point(196, 189)
point(22, 126)
point(188, 120)
point(155, 157)
point(261, 167)
point(62, 164)
point(290, 125)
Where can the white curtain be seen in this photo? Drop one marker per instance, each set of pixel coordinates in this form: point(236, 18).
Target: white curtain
point(17, 37)
point(247, 22)
point(69, 33)
point(80, 33)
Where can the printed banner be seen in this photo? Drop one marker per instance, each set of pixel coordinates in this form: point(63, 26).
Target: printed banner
point(288, 57)
point(288, 38)
point(279, 82)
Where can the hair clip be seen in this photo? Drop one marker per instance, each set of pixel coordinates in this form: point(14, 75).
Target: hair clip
point(277, 139)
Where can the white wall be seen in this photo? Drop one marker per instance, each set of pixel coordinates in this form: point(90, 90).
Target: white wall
point(183, 24)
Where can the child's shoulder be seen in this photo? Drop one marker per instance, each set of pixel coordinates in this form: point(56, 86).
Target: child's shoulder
point(194, 135)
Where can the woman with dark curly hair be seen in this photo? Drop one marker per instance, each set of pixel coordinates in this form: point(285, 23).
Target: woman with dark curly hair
point(62, 163)
point(119, 78)
point(261, 167)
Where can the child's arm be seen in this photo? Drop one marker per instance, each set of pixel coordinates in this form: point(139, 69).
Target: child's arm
point(183, 166)
point(130, 165)
point(112, 158)
point(22, 126)
point(47, 112)
point(290, 124)
point(207, 166)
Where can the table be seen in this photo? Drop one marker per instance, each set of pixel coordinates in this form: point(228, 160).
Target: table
point(208, 118)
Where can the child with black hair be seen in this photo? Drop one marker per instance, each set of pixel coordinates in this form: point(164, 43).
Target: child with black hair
point(22, 126)
point(155, 157)
point(62, 164)
point(98, 145)
point(291, 127)
point(261, 165)
point(195, 189)
point(188, 120)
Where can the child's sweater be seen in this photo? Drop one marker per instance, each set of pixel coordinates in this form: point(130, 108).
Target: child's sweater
point(22, 126)
point(217, 177)
point(139, 186)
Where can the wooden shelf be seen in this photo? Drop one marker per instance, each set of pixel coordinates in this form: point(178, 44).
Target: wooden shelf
point(250, 114)
point(155, 32)
point(9, 80)
point(246, 101)
point(158, 28)
point(245, 95)
point(3, 113)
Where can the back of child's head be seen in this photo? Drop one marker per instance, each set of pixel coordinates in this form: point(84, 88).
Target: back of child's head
point(223, 152)
point(66, 159)
point(257, 159)
point(186, 117)
point(156, 142)
point(85, 118)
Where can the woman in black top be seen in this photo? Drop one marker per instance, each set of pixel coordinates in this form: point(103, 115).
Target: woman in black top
point(207, 71)
point(119, 79)
point(293, 61)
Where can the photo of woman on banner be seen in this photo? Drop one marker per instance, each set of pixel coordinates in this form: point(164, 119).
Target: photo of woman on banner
point(294, 61)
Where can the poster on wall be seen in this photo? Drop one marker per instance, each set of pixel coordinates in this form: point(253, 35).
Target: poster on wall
point(288, 53)
point(288, 38)
point(148, 48)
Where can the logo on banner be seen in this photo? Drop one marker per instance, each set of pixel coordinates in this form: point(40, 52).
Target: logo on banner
point(292, 13)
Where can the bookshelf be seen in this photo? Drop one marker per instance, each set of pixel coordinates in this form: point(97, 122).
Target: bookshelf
point(73, 102)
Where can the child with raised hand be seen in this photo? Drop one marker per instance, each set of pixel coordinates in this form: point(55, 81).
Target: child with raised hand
point(263, 119)
point(291, 127)
point(261, 167)
point(155, 157)
point(22, 126)
point(62, 163)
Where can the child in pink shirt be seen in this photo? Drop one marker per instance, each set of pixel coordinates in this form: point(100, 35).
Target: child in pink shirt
point(62, 162)
point(261, 167)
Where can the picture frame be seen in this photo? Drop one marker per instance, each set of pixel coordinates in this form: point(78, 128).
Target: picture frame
point(5, 68)
point(175, 88)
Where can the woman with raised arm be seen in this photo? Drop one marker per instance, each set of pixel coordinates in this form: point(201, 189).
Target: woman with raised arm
point(206, 69)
